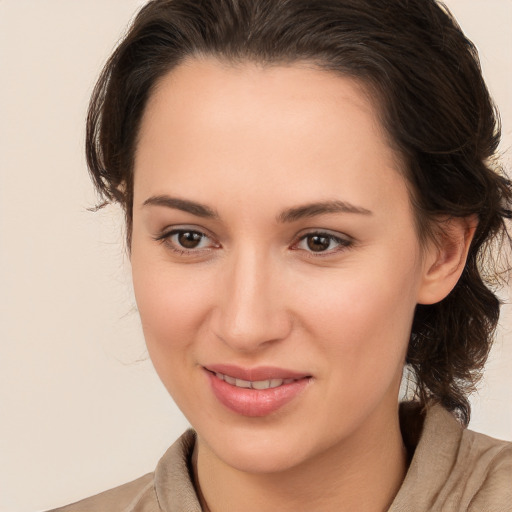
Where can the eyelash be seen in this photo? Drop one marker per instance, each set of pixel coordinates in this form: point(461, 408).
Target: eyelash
point(343, 243)
point(165, 238)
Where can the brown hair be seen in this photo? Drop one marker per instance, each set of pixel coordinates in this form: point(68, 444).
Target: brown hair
point(436, 109)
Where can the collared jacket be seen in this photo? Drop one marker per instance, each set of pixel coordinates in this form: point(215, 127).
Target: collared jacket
point(452, 469)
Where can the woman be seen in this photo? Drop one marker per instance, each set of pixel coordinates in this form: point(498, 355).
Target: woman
point(309, 195)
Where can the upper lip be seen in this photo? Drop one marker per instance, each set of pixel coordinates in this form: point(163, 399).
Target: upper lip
point(255, 374)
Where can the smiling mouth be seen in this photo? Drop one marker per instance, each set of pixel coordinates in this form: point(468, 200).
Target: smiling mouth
point(253, 384)
point(255, 392)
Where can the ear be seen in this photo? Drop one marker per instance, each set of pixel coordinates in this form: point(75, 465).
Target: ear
point(445, 258)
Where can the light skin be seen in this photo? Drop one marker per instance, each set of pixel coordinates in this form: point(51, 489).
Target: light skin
point(232, 156)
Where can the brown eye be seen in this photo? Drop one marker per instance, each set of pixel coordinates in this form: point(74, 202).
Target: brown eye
point(323, 243)
point(189, 239)
point(318, 243)
point(186, 242)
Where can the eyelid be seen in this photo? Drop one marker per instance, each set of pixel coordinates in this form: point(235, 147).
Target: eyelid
point(344, 242)
point(165, 235)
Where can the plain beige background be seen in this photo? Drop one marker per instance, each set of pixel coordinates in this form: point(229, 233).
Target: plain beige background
point(81, 407)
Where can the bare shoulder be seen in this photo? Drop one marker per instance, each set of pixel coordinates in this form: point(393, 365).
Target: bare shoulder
point(137, 496)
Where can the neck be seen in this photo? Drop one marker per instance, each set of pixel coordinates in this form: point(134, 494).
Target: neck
point(363, 473)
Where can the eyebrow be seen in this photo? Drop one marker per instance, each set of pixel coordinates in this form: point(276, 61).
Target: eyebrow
point(198, 209)
point(313, 209)
point(289, 215)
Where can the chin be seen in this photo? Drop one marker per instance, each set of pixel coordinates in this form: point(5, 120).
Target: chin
point(262, 460)
point(259, 450)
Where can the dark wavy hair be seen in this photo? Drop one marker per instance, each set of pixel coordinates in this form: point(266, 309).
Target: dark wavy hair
point(425, 78)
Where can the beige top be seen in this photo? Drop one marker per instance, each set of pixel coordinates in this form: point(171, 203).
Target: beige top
point(452, 470)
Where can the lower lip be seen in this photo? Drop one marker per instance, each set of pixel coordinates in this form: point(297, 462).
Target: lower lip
point(255, 402)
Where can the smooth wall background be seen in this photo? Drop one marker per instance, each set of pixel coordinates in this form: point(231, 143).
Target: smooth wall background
point(81, 407)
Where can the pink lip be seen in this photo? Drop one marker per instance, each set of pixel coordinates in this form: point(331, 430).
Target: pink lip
point(258, 373)
point(255, 402)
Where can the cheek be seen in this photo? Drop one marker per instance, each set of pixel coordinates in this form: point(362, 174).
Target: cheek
point(172, 306)
point(364, 315)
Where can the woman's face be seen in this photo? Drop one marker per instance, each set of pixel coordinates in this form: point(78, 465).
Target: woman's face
point(273, 243)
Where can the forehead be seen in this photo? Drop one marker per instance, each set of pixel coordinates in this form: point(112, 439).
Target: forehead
point(303, 130)
point(226, 93)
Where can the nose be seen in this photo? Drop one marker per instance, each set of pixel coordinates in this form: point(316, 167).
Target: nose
point(251, 312)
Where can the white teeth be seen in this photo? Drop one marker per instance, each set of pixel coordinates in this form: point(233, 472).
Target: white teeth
point(257, 384)
point(261, 384)
point(243, 383)
point(229, 380)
